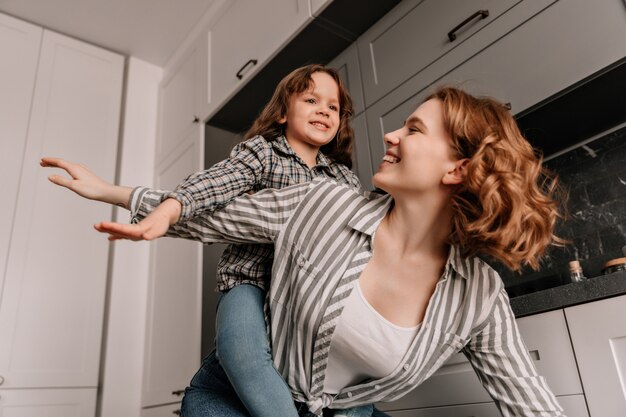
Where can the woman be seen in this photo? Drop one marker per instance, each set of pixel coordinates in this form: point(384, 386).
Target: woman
point(461, 181)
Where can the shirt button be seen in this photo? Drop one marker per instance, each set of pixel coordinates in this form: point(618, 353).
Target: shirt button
point(300, 262)
point(377, 386)
point(406, 367)
point(349, 395)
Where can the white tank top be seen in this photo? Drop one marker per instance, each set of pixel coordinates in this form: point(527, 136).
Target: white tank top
point(365, 345)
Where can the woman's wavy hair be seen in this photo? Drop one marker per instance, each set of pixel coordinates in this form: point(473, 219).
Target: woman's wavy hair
point(299, 80)
point(508, 203)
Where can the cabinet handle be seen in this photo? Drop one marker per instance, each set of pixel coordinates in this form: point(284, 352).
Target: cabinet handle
point(240, 72)
point(196, 119)
point(178, 392)
point(508, 106)
point(1, 380)
point(177, 412)
point(482, 13)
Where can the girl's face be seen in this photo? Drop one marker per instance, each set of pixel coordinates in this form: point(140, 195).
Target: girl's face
point(419, 155)
point(312, 117)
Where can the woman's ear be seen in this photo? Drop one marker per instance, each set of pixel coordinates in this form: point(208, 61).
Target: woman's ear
point(457, 174)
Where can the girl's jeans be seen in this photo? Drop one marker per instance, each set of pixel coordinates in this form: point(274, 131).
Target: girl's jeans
point(243, 381)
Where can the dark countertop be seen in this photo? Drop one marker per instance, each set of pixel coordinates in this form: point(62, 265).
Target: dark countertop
point(592, 289)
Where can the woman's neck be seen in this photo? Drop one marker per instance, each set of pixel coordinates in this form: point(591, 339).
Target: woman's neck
point(420, 225)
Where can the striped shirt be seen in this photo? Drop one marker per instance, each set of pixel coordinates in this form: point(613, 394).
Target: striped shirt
point(323, 237)
point(253, 165)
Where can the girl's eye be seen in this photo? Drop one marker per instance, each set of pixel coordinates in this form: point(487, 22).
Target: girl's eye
point(333, 108)
point(310, 100)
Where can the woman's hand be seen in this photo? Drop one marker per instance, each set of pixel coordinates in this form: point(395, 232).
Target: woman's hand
point(153, 226)
point(85, 183)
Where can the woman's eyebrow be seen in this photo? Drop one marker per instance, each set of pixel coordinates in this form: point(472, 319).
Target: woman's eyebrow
point(416, 120)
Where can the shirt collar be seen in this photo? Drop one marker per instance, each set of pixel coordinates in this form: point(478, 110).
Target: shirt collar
point(280, 144)
point(368, 217)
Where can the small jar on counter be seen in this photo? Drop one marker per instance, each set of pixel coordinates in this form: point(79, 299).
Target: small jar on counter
point(576, 272)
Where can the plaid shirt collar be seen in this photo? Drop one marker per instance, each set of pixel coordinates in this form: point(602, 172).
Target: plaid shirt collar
point(281, 145)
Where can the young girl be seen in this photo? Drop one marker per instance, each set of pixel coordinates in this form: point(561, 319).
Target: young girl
point(302, 133)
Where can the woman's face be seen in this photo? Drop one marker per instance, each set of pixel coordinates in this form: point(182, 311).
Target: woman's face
point(419, 154)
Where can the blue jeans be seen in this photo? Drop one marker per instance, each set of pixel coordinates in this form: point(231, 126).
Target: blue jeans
point(240, 378)
point(210, 394)
point(243, 351)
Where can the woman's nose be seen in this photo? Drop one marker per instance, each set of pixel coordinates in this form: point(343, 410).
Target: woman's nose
point(391, 138)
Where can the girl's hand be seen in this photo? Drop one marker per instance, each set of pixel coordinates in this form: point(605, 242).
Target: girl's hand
point(85, 183)
point(153, 226)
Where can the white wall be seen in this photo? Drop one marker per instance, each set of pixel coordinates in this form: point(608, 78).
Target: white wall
point(123, 351)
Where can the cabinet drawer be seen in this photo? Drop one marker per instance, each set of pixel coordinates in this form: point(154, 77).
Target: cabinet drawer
point(48, 402)
point(169, 410)
point(546, 338)
point(469, 410)
point(415, 34)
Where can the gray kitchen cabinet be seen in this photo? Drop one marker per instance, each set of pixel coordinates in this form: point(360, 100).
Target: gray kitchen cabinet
point(362, 161)
point(455, 383)
point(347, 64)
point(544, 62)
point(413, 37)
point(598, 333)
point(574, 406)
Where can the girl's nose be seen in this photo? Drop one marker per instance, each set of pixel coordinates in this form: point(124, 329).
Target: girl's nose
point(323, 111)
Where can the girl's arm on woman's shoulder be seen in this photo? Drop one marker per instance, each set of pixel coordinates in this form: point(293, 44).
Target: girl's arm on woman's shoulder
point(506, 369)
point(250, 218)
point(215, 187)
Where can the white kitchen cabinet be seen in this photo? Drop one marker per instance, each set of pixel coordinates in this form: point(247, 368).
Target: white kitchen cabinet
point(162, 411)
point(598, 333)
point(415, 34)
point(48, 402)
point(19, 49)
point(240, 43)
point(181, 96)
point(175, 292)
point(52, 303)
point(547, 340)
point(318, 6)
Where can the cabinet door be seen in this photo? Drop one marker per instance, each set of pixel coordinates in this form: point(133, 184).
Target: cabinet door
point(415, 34)
point(546, 62)
point(361, 156)
point(53, 298)
point(19, 49)
point(169, 410)
point(175, 294)
point(470, 410)
point(48, 403)
point(547, 340)
point(239, 38)
point(347, 64)
point(598, 332)
point(178, 103)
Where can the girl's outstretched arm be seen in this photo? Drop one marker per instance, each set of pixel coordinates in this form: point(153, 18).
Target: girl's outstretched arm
point(88, 185)
point(85, 183)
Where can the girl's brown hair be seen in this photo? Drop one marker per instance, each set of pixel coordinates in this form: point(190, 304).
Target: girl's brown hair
point(507, 206)
point(299, 80)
